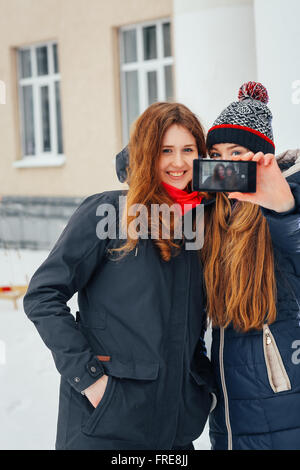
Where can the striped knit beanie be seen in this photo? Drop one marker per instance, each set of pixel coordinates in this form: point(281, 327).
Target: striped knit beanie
point(247, 122)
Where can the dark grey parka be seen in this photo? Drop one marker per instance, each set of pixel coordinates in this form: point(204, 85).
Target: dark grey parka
point(140, 320)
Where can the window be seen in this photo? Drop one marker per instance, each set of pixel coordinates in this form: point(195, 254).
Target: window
point(146, 69)
point(39, 102)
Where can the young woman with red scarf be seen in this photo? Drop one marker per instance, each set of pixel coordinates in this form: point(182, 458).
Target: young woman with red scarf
point(134, 370)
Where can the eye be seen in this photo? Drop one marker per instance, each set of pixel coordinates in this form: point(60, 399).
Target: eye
point(214, 155)
point(188, 150)
point(166, 150)
point(236, 152)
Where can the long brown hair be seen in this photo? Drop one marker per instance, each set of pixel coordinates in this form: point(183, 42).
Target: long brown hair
point(216, 174)
point(145, 147)
point(238, 266)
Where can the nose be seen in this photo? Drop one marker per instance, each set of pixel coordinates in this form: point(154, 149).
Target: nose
point(178, 159)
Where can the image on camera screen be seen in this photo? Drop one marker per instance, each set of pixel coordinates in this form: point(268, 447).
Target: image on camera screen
point(224, 176)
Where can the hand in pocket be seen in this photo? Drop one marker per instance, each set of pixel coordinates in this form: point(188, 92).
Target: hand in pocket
point(95, 392)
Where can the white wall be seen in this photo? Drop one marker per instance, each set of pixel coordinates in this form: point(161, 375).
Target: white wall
point(278, 65)
point(220, 44)
point(214, 50)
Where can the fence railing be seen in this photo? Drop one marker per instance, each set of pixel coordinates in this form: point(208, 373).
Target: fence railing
point(34, 222)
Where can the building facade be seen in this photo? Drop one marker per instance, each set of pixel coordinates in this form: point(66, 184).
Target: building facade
point(75, 74)
point(220, 44)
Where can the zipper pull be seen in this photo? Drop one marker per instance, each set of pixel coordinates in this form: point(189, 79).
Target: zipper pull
point(269, 339)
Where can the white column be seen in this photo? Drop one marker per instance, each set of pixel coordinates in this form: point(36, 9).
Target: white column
point(278, 66)
point(214, 51)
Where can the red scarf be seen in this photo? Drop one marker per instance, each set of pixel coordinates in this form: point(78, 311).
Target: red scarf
point(183, 197)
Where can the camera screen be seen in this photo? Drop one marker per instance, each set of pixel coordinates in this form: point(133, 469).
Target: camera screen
point(217, 175)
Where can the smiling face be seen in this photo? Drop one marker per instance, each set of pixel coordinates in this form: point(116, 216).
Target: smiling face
point(226, 151)
point(179, 149)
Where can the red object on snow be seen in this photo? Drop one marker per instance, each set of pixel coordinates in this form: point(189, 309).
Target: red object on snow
point(5, 289)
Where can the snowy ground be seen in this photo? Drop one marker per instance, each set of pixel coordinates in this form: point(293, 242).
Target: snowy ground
point(29, 380)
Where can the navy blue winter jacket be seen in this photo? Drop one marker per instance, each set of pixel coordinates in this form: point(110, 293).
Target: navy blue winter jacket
point(258, 373)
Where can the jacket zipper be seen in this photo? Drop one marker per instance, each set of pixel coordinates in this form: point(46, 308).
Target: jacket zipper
point(277, 375)
point(226, 402)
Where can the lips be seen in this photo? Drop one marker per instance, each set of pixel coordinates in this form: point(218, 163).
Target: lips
point(176, 174)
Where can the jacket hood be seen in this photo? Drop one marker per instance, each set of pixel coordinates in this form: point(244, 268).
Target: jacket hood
point(122, 163)
point(289, 162)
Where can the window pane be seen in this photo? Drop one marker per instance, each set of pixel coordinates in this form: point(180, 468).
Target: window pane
point(25, 64)
point(45, 118)
point(42, 60)
point(149, 35)
point(152, 87)
point(58, 118)
point(169, 83)
point(55, 58)
point(130, 49)
point(28, 123)
point(132, 97)
point(167, 39)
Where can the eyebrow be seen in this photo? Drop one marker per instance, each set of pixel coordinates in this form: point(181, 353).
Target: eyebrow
point(229, 147)
point(187, 145)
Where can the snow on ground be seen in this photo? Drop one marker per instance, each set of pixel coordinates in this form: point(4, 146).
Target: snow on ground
point(28, 377)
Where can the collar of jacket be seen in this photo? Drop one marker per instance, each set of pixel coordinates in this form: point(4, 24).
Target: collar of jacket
point(207, 202)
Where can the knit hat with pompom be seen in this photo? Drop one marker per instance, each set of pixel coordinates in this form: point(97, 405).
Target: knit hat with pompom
point(247, 122)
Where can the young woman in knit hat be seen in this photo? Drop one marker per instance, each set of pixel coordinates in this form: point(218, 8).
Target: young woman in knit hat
point(251, 259)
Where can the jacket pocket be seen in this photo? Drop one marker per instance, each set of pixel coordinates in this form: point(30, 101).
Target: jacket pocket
point(277, 375)
point(129, 369)
point(127, 399)
point(100, 408)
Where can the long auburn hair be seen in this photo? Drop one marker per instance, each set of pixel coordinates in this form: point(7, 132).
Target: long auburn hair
point(145, 187)
point(238, 266)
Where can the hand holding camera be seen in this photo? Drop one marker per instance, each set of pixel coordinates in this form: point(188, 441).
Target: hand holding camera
point(251, 177)
point(272, 190)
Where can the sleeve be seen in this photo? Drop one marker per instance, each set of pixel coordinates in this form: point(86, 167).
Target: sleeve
point(201, 342)
point(68, 267)
point(285, 226)
point(201, 367)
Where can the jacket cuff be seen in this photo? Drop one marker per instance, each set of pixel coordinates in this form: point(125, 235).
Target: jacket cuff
point(296, 193)
point(94, 371)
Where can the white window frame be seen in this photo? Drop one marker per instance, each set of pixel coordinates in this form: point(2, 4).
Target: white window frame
point(142, 67)
point(40, 158)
